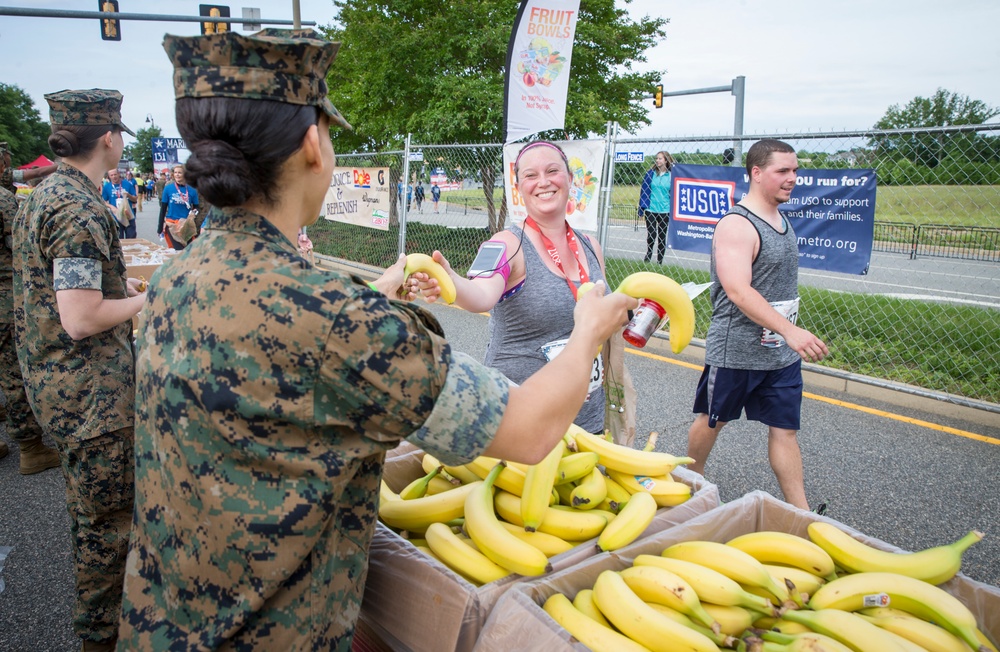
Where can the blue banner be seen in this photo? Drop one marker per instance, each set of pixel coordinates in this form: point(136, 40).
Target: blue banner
point(831, 211)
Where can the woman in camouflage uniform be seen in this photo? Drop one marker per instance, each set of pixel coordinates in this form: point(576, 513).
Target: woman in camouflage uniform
point(269, 389)
point(72, 312)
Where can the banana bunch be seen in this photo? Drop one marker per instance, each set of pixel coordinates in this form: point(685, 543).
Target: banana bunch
point(704, 595)
point(671, 297)
point(551, 507)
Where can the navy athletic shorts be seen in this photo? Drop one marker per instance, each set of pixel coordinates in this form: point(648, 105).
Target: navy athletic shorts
point(772, 397)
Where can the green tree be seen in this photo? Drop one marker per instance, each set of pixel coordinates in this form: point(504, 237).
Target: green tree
point(141, 151)
point(444, 80)
point(21, 126)
point(943, 109)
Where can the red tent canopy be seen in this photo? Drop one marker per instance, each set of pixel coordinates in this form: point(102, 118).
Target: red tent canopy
point(39, 162)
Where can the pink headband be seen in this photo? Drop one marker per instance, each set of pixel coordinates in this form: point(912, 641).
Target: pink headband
point(540, 143)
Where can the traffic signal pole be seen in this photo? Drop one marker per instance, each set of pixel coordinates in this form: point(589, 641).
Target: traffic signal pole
point(32, 12)
point(738, 89)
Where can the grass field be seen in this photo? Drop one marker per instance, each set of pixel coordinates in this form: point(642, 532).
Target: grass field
point(938, 347)
point(952, 205)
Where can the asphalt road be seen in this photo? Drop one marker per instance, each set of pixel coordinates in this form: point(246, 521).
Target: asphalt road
point(904, 476)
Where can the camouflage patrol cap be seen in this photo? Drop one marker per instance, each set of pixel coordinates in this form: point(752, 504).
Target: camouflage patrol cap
point(281, 65)
point(92, 107)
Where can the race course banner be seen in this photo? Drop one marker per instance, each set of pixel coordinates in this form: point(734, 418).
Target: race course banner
point(831, 211)
point(358, 196)
point(586, 162)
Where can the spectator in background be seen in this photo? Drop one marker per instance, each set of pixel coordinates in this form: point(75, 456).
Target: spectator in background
point(178, 201)
point(654, 205)
point(728, 156)
point(140, 190)
point(158, 186)
point(435, 195)
point(116, 190)
point(418, 194)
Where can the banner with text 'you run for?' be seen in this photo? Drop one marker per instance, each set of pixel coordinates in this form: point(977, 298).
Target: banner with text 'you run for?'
point(538, 60)
point(831, 211)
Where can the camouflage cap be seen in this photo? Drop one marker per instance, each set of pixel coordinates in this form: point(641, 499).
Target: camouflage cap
point(281, 65)
point(85, 108)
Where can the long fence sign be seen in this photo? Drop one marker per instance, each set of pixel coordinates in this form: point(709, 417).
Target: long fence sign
point(831, 211)
point(358, 196)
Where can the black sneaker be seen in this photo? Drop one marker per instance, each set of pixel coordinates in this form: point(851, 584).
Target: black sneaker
point(820, 509)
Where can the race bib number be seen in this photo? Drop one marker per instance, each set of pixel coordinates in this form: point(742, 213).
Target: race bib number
point(552, 349)
point(790, 311)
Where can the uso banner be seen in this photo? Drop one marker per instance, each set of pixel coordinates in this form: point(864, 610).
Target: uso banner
point(831, 211)
point(358, 196)
point(538, 56)
point(586, 162)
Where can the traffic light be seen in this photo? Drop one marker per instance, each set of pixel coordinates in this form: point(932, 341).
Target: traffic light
point(658, 96)
point(111, 29)
point(214, 11)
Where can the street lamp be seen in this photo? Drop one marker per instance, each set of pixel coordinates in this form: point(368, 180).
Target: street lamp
point(149, 120)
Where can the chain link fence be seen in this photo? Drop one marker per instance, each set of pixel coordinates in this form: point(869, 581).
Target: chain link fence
point(927, 314)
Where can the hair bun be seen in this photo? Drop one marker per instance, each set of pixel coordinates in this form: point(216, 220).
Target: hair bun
point(64, 143)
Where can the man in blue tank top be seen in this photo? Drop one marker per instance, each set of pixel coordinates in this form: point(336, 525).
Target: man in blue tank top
point(754, 350)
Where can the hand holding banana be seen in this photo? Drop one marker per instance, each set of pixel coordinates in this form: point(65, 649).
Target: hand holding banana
point(671, 297)
point(438, 281)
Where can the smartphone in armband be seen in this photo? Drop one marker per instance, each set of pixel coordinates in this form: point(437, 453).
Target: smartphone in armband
point(491, 259)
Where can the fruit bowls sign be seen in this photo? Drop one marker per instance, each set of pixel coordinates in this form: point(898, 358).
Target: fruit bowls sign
point(538, 61)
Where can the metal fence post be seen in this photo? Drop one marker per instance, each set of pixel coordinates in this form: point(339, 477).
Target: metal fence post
point(402, 195)
point(607, 184)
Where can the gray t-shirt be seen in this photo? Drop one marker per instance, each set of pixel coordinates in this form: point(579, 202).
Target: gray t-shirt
point(524, 325)
point(736, 342)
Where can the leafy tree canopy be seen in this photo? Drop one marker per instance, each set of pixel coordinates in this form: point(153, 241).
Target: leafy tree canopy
point(943, 109)
point(436, 69)
point(21, 126)
point(141, 151)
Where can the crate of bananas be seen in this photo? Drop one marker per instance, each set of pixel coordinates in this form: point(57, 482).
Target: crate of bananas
point(453, 539)
point(755, 575)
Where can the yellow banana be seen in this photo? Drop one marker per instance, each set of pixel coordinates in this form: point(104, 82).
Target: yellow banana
point(780, 625)
point(860, 590)
point(720, 639)
point(802, 581)
point(594, 635)
point(426, 264)
point(802, 640)
point(385, 494)
point(927, 635)
point(538, 483)
point(617, 494)
point(462, 473)
point(847, 628)
point(428, 462)
point(732, 620)
point(590, 492)
point(787, 549)
point(418, 488)
point(710, 585)
point(584, 601)
point(418, 513)
point(492, 539)
point(734, 564)
point(665, 491)
point(467, 562)
point(631, 521)
point(625, 459)
point(439, 485)
point(565, 493)
point(671, 297)
point(934, 565)
point(547, 543)
point(510, 478)
point(654, 584)
point(575, 466)
point(640, 622)
point(570, 525)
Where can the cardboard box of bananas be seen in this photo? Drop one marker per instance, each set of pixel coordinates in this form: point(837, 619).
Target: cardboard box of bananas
point(452, 539)
point(755, 574)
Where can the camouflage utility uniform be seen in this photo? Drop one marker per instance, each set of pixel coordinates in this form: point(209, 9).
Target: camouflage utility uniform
point(21, 424)
point(268, 392)
point(82, 391)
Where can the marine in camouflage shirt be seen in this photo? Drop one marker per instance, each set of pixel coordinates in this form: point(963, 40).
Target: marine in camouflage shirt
point(268, 392)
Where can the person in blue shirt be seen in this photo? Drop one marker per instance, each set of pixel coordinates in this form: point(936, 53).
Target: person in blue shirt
point(435, 195)
point(115, 188)
point(176, 203)
point(654, 205)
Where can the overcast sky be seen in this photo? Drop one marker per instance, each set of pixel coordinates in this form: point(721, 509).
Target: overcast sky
point(809, 65)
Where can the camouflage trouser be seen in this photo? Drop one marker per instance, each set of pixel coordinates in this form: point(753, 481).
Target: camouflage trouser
point(21, 423)
point(100, 487)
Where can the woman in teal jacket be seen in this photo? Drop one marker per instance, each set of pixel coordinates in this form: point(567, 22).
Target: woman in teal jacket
point(654, 205)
